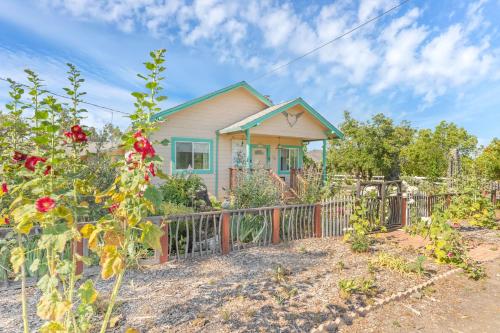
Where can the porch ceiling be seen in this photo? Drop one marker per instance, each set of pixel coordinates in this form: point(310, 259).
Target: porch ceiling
point(257, 118)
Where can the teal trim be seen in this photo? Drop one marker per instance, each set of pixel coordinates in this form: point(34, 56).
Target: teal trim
point(195, 101)
point(217, 164)
point(324, 161)
point(301, 158)
point(210, 170)
point(301, 102)
point(268, 153)
point(248, 152)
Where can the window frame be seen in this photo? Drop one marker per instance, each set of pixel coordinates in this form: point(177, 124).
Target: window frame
point(300, 158)
point(173, 157)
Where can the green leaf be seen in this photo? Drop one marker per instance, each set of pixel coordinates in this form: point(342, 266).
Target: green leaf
point(87, 292)
point(151, 234)
point(34, 265)
point(17, 258)
point(164, 142)
point(153, 195)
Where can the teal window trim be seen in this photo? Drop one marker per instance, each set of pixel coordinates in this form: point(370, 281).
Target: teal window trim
point(301, 158)
point(210, 142)
point(217, 164)
point(268, 153)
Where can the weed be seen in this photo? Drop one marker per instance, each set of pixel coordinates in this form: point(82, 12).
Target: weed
point(225, 315)
point(284, 294)
point(340, 265)
point(281, 274)
point(362, 286)
point(398, 264)
point(302, 249)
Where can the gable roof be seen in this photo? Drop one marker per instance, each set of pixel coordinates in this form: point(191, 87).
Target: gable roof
point(271, 111)
point(195, 101)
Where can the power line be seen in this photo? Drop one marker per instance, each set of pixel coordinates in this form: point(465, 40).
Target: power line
point(62, 96)
point(330, 41)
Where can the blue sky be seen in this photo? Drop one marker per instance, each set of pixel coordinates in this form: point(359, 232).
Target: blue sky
point(425, 62)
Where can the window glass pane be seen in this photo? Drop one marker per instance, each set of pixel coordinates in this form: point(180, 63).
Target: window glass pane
point(183, 155)
point(201, 155)
point(294, 158)
point(284, 159)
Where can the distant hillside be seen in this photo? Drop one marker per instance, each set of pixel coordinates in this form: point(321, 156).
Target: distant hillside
point(315, 154)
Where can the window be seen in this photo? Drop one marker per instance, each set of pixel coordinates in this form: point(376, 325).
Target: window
point(289, 158)
point(192, 154)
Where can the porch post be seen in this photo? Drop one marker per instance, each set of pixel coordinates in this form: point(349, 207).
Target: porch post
point(248, 150)
point(324, 161)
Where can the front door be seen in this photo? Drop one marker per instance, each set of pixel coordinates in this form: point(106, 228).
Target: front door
point(260, 157)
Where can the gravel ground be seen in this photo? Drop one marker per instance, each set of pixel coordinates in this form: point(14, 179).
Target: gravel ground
point(240, 292)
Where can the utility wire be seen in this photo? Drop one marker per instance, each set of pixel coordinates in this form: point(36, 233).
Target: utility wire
point(329, 42)
point(62, 96)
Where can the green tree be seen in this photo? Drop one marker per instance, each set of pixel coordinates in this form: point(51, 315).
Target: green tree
point(428, 155)
point(370, 148)
point(488, 162)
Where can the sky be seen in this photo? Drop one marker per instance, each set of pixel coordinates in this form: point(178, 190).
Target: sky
point(425, 62)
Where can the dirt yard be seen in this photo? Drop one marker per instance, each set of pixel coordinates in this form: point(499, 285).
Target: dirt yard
point(294, 288)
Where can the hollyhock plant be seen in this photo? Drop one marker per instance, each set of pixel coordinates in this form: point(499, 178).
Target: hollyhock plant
point(5, 189)
point(32, 161)
point(143, 146)
point(19, 157)
point(45, 204)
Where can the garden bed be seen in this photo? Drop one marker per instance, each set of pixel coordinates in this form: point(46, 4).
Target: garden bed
point(289, 287)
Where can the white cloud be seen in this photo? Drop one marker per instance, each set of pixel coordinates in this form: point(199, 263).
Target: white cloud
point(403, 54)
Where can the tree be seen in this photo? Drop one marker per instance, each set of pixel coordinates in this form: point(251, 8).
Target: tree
point(488, 162)
point(369, 148)
point(429, 153)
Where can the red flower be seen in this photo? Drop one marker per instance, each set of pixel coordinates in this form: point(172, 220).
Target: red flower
point(76, 129)
point(146, 176)
point(47, 170)
point(129, 156)
point(18, 157)
point(68, 134)
point(45, 204)
point(80, 137)
point(450, 254)
point(7, 221)
point(151, 169)
point(32, 161)
point(4, 188)
point(138, 134)
point(113, 208)
point(143, 146)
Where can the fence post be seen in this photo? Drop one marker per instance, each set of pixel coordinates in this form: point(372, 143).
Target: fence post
point(317, 220)
point(403, 209)
point(225, 232)
point(429, 206)
point(494, 198)
point(77, 247)
point(276, 225)
point(164, 243)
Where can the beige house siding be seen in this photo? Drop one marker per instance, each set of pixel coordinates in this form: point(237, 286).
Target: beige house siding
point(201, 121)
point(306, 127)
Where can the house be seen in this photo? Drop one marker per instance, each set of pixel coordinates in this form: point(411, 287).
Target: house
point(215, 135)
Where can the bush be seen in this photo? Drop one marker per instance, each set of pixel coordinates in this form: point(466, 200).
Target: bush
point(182, 190)
point(360, 228)
point(255, 189)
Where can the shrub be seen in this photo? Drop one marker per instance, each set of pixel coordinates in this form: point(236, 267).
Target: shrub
point(183, 190)
point(358, 235)
point(255, 189)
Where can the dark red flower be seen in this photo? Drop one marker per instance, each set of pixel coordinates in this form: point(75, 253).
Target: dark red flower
point(45, 204)
point(138, 134)
point(68, 135)
point(47, 170)
point(151, 169)
point(32, 161)
point(18, 157)
point(5, 188)
point(76, 129)
point(143, 146)
point(7, 221)
point(80, 137)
